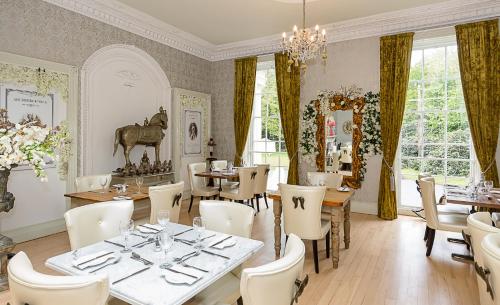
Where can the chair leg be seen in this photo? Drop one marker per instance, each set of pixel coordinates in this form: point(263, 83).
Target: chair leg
point(328, 244)
point(251, 202)
point(191, 204)
point(286, 239)
point(315, 253)
point(426, 234)
point(257, 197)
point(239, 301)
point(430, 241)
point(265, 199)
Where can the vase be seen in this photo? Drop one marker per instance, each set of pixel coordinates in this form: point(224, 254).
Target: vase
point(6, 198)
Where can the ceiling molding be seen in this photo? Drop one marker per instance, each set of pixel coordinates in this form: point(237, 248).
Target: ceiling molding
point(414, 19)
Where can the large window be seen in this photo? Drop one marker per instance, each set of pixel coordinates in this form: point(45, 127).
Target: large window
point(265, 143)
point(435, 136)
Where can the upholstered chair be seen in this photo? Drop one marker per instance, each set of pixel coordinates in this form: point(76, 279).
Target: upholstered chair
point(331, 180)
point(490, 271)
point(96, 222)
point(228, 218)
point(245, 190)
point(260, 190)
point(30, 287)
point(274, 283)
point(435, 221)
point(480, 224)
point(302, 215)
point(198, 185)
point(221, 165)
point(166, 197)
point(90, 183)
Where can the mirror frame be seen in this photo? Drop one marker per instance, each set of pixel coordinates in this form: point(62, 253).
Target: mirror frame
point(334, 104)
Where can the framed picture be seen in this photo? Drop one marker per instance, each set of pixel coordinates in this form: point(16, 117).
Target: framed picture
point(21, 103)
point(192, 132)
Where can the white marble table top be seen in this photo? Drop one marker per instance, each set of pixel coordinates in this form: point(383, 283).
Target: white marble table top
point(149, 287)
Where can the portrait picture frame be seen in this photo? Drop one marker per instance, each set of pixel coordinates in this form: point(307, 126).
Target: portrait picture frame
point(192, 128)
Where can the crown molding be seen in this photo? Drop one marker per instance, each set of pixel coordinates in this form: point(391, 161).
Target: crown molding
point(425, 17)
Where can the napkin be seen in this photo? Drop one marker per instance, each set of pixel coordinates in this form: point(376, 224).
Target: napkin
point(343, 189)
point(178, 278)
point(225, 244)
point(92, 261)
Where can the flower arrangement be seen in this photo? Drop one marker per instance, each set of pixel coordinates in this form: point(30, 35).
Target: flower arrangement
point(30, 143)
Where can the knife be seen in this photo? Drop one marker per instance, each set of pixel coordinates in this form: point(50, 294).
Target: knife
point(113, 243)
point(177, 234)
point(130, 275)
point(94, 258)
point(216, 254)
point(221, 241)
point(180, 272)
point(150, 228)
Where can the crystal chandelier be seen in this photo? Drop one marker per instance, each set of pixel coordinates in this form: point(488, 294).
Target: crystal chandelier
point(305, 44)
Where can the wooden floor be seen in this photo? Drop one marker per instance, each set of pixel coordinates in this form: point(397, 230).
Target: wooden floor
point(386, 264)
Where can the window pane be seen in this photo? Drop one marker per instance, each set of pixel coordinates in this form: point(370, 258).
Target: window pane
point(434, 63)
point(434, 89)
point(416, 65)
point(409, 150)
point(455, 95)
point(458, 152)
point(433, 167)
point(433, 128)
point(458, 128)
point(434, 151)
point(273, 129)
point(434, 103)
point(453, 69)
point(410, 168)
point(414, 91)
point(459, 168)
point(409, 130)
point(257, 129)
point(259, 158)
point(259, 146)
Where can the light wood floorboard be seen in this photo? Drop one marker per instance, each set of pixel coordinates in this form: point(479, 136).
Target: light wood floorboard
point(385, 265)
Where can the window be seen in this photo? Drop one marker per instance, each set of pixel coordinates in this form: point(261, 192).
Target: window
point(265, 143)
point(435, 136)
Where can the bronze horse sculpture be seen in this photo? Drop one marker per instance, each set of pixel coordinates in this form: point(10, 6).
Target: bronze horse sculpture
point(150, 134)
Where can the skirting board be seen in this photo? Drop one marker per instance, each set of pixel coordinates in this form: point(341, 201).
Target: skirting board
point(36, 231)
point(364, 207)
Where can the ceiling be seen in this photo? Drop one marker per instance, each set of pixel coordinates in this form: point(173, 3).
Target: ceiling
point(227, 21)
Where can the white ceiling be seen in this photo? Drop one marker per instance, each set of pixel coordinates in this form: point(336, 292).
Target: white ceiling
point(227, 21)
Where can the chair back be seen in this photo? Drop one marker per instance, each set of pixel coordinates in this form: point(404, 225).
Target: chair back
point(420, 176)
point(302, 210)
point(227, 217)
point(196, 182)
point(96, 222)
point(166, 197)
point(219, 164)
point(90, 183)
point(261, 178)
point(246, 187)
point(429, 201)
point(491, 253)
point(30, 287)
point(274, 283)
point(479, 225)
point(332, 180)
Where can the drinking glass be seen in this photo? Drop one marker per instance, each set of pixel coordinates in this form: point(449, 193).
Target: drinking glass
point(489, 185)
point(199, 228)
point(230, 166)
point(139, 180)
point(126, 228)
point(103, 181)
point(212, 167)
point(166, 243)
point(163, 218)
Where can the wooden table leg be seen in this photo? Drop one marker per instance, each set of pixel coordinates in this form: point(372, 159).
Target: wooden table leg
point(277, 227)
point(347, 224)
point(335, 218)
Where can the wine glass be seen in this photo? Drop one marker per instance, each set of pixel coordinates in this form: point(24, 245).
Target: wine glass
point(199, 228)
point(139, 180)
point(126, 228)
point(103, 181)
point(163, 218)
point(230, 166)
point(166, 243)
point(489, 185)
point(212, 167)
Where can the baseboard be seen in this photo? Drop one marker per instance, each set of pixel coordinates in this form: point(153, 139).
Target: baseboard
point(36, 231)
point(364, 207)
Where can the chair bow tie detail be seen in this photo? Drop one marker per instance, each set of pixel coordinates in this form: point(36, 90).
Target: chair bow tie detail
point(267, 172)
point(177, 199)
point(253, 175)
point(296, 201)
point(484, 274)
point(301, 285)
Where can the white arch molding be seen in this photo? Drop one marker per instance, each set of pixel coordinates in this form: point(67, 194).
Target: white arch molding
point(120, 85)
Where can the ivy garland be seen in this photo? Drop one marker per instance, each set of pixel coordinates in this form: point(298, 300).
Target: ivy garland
point(371, 143)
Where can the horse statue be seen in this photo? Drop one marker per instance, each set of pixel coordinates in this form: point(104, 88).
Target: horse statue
point(150, 134)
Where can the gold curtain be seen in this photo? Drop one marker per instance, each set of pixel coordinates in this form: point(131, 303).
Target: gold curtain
point(245, 70)
point(288, 86)
point(478, 55)
point(395, 58)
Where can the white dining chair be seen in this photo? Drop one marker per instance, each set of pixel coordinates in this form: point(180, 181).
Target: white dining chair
point(30, 287)
point(96, 222)
point(444, 222)
point(91, 183)
point(166, 197)
point(302, 215)
point(479, 225)
point(260, 190)
point(490, 271)
point(228, 218)
point(331, 180)
point(245, 190)
point(198, 185)
point(221, 165)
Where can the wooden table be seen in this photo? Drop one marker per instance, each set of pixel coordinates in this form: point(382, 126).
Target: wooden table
point(142, 204)
point(219, 175)
point(339, 206)
point(481, 201)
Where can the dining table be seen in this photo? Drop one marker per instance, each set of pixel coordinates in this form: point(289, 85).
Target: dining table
point(219, 174)
point(337, 204)
point(137, 278)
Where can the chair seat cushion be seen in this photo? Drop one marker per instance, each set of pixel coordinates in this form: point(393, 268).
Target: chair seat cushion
point(226, 290)
point(452, 222)
point(452, 209)
point(205, 191)
point(495, 217)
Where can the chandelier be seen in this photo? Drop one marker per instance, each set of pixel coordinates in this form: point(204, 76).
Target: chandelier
point(304, 44)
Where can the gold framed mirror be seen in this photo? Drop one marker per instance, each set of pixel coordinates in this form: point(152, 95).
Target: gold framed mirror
point(338, 136)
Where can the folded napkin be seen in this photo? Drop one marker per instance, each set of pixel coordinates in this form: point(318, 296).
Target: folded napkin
point(91, 260)
point(179, 278)
point(343, 189)
point(225, 244)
